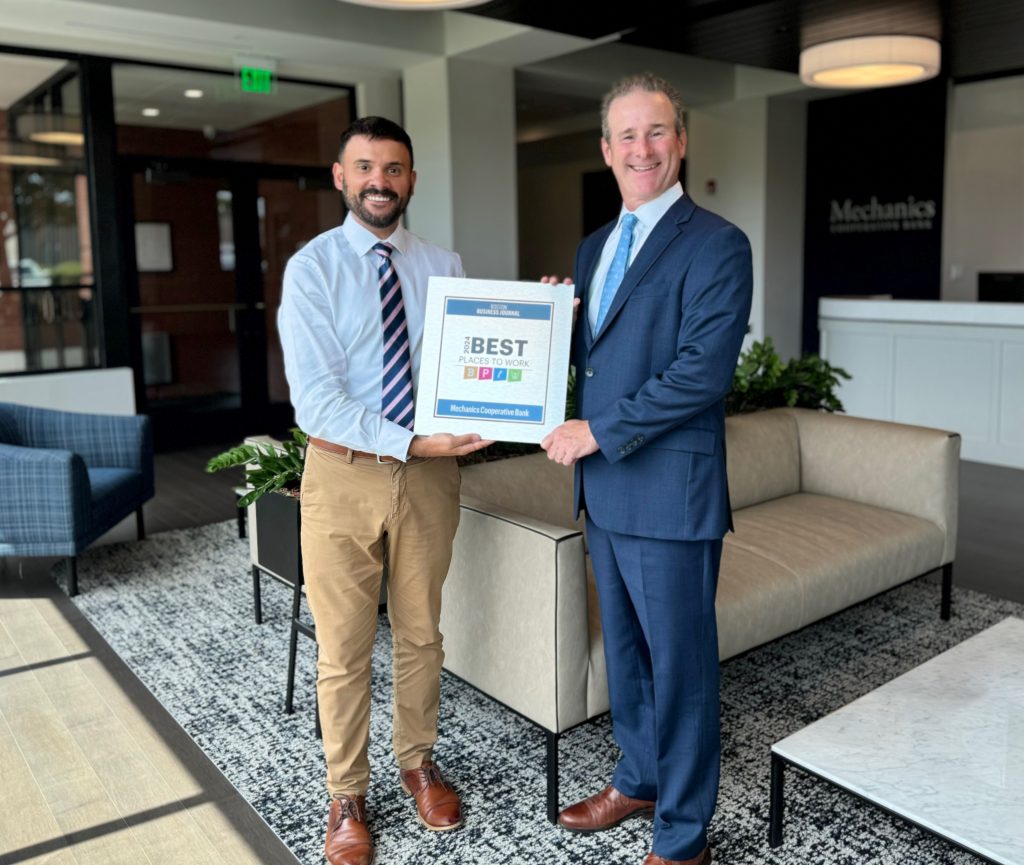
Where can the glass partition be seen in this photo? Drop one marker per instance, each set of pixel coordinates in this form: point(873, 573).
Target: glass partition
point(47, 316)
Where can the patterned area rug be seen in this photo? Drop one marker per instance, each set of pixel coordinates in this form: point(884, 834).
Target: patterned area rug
point(178, 609)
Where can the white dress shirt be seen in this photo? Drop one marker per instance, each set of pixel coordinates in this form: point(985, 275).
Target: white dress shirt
point(647, 215)
point(331, 332)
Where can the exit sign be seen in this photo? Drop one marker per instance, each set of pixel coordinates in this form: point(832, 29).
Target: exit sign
point(256, 80)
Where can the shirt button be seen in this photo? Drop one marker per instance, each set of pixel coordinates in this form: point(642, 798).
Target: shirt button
point(589, 372)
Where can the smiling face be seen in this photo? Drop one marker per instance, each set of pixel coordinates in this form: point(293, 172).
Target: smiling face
point(375, 177)
point(643, 149)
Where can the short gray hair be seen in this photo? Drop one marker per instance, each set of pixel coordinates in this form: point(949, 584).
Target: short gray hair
point(649, 82)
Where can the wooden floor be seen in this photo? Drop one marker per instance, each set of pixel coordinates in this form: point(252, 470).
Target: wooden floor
point(93, 770)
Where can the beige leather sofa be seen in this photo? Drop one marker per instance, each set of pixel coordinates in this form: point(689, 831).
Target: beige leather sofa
point(829, 510)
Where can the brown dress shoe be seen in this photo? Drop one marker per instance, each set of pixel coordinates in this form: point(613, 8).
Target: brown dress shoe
point(702, 858)
point(348, 839)
point(437, 803)
point(602, 811)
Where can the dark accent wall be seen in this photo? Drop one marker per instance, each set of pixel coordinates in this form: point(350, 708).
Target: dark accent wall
point(873, 217)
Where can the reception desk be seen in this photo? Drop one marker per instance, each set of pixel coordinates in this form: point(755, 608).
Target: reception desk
point(955, 366)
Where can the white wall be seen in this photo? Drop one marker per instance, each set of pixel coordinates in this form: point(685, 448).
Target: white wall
point(94, 391)
point(728, 145)
point(983, 215)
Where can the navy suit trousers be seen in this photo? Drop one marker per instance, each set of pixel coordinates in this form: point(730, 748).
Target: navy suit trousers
point(657, 602)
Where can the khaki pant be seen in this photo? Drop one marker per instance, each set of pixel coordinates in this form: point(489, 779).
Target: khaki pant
point(351, 510)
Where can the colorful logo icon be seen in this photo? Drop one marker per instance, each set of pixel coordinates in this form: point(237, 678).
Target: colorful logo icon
point(469, 372)
point(500, 374)
point(515, 375)
point(485, 373)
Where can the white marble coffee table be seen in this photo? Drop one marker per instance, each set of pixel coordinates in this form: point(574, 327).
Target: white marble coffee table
point(941, 746)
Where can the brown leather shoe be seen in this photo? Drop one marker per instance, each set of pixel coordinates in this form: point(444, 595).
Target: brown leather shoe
point(602, 811)
point(348, 839)
point(702, 858)
point(437, 803)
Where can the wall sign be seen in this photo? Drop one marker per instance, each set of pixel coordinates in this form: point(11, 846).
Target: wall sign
point(873, 217)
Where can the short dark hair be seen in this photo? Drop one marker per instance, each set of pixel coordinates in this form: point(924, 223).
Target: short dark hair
point(646, 81)
point(375, 128)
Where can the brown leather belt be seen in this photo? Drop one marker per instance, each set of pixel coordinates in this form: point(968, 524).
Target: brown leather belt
point(343, 451)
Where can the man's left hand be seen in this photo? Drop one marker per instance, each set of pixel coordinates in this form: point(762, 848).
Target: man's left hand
point(569, 442)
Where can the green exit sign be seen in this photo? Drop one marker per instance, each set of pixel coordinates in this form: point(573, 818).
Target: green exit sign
point(256, 80)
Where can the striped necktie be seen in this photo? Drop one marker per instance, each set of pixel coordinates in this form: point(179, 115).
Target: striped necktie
point(396, 386)
point(617, 270)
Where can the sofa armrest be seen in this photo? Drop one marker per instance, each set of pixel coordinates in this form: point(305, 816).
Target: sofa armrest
point(46, 500)
point(515, 614)
point(911, 469)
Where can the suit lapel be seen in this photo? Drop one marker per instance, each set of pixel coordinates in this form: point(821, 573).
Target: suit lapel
point(590, 254)
point(668, 229)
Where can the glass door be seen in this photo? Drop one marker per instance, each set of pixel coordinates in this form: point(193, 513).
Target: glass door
point(292, 213)
point(188, 303)
point(211, 243)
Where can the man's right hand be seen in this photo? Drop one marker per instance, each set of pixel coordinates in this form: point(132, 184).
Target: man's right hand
point(446, 445)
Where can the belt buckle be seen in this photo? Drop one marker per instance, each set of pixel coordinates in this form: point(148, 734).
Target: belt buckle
point(380, 462)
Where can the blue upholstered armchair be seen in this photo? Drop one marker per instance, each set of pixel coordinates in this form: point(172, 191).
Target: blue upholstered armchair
point(66, 478)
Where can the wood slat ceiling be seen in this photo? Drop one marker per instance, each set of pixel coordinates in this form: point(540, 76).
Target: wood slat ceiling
point(980, 37)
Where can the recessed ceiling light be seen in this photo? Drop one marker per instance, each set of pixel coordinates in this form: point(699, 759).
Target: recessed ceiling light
point(150, 112)
point(870, 61)
point(194, 93)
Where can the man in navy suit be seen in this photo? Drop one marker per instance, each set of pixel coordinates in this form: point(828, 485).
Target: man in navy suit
point(665, 295)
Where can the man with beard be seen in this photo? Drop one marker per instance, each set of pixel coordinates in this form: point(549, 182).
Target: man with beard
point(351, 323)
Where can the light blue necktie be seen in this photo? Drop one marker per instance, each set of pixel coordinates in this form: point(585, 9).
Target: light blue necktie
point(617, 270)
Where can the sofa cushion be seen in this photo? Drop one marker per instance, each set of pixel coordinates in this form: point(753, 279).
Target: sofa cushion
point(763, 452)
point(806, 556)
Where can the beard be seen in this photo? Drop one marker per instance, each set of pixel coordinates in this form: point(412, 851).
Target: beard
point(374, 219)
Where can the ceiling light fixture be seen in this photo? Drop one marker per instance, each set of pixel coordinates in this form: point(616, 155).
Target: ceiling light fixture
point(420, 5)
point(150, 112)
point(63, 129)
point(870, 61)
point(28, 154)
point(193, 93)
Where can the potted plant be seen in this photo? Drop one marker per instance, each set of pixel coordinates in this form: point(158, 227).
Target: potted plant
point(763, 381)
point(275, 524)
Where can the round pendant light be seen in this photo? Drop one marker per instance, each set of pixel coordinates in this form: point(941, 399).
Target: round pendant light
point(870, 61)
point(63, 129)
point(28, 154)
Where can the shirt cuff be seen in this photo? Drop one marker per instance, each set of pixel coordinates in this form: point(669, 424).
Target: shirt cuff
point(394, 441)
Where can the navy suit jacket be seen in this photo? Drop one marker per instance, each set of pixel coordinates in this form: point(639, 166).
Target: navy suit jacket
point(652, 381)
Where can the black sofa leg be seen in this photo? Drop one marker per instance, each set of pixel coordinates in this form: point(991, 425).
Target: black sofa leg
point(947, 591)
point(257, 595)
point(72, 563)
point(140, 524)
point(552, 773)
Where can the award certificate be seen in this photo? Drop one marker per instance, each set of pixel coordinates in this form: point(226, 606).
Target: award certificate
point(495, 358)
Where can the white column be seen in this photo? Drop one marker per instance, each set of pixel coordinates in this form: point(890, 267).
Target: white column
point(753, 150)
point(461, 117)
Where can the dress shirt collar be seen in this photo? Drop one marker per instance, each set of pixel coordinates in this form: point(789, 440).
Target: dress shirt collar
point(650, 212)
point(362, 240)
